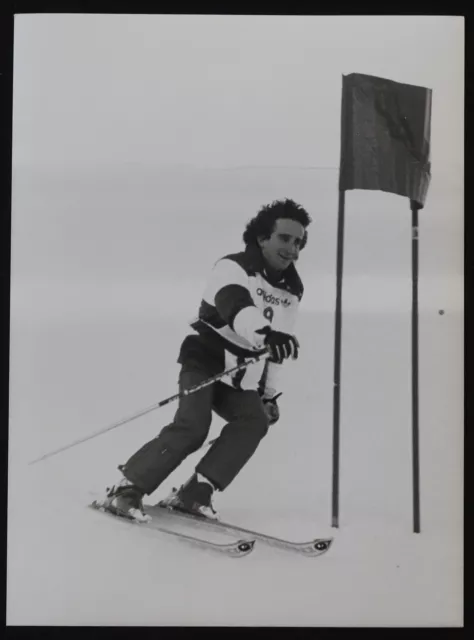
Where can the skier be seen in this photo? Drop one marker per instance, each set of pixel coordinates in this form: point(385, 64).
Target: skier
point(248, 307)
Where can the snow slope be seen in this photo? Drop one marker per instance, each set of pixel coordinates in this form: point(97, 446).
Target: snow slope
point(106, 271)
point(68, 565)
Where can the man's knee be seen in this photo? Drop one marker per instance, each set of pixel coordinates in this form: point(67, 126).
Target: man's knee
point(253, 415)
point(187, 431)
point(195, 442)
point(263, 424)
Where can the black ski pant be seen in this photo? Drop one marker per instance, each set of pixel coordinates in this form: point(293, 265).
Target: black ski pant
point(247, 424)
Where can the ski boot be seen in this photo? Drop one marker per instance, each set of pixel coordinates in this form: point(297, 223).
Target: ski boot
point(194, 498)
point(124, 499)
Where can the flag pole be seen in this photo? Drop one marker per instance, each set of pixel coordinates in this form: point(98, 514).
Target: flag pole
point(385, 146)
point(337, 361)
point(415, 403)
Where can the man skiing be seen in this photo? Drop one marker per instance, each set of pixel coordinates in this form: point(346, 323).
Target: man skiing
point(248, 308)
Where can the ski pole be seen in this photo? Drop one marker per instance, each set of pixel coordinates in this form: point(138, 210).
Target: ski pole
point(143, 412)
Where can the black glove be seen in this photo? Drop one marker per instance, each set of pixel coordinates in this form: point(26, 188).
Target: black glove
point(281, 345)
point(271, 409)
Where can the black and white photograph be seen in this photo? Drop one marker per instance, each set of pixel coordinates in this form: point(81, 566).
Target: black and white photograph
point(236, 321)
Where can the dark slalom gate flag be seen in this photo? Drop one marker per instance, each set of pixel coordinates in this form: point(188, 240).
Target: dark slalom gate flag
point(385, 141)
point(385, 146)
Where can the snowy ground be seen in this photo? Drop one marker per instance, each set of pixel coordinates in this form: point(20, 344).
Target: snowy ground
point(106, 270)
point(70, 566)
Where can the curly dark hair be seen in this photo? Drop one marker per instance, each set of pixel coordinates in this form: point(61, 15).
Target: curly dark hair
point(263, 223)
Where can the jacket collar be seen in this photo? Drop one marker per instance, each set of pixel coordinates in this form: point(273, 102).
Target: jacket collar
point(288, 277)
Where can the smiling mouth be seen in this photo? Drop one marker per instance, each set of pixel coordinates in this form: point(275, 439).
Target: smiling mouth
point(285, 258)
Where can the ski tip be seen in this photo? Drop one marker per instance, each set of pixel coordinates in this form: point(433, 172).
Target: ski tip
point(318, 547)
point(245, 546)
point(322, 544)
point(241, 548)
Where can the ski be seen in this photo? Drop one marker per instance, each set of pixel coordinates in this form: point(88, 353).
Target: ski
point(312, 548)
point(236, 549)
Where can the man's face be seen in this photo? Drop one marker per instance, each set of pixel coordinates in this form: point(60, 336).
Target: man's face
point(283, 246)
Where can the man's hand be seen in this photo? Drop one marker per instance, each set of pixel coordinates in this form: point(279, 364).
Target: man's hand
point(281, 345)
point(271, 409)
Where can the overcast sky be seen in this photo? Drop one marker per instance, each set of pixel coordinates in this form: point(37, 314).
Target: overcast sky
point(219, 90)
point(103, 102)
